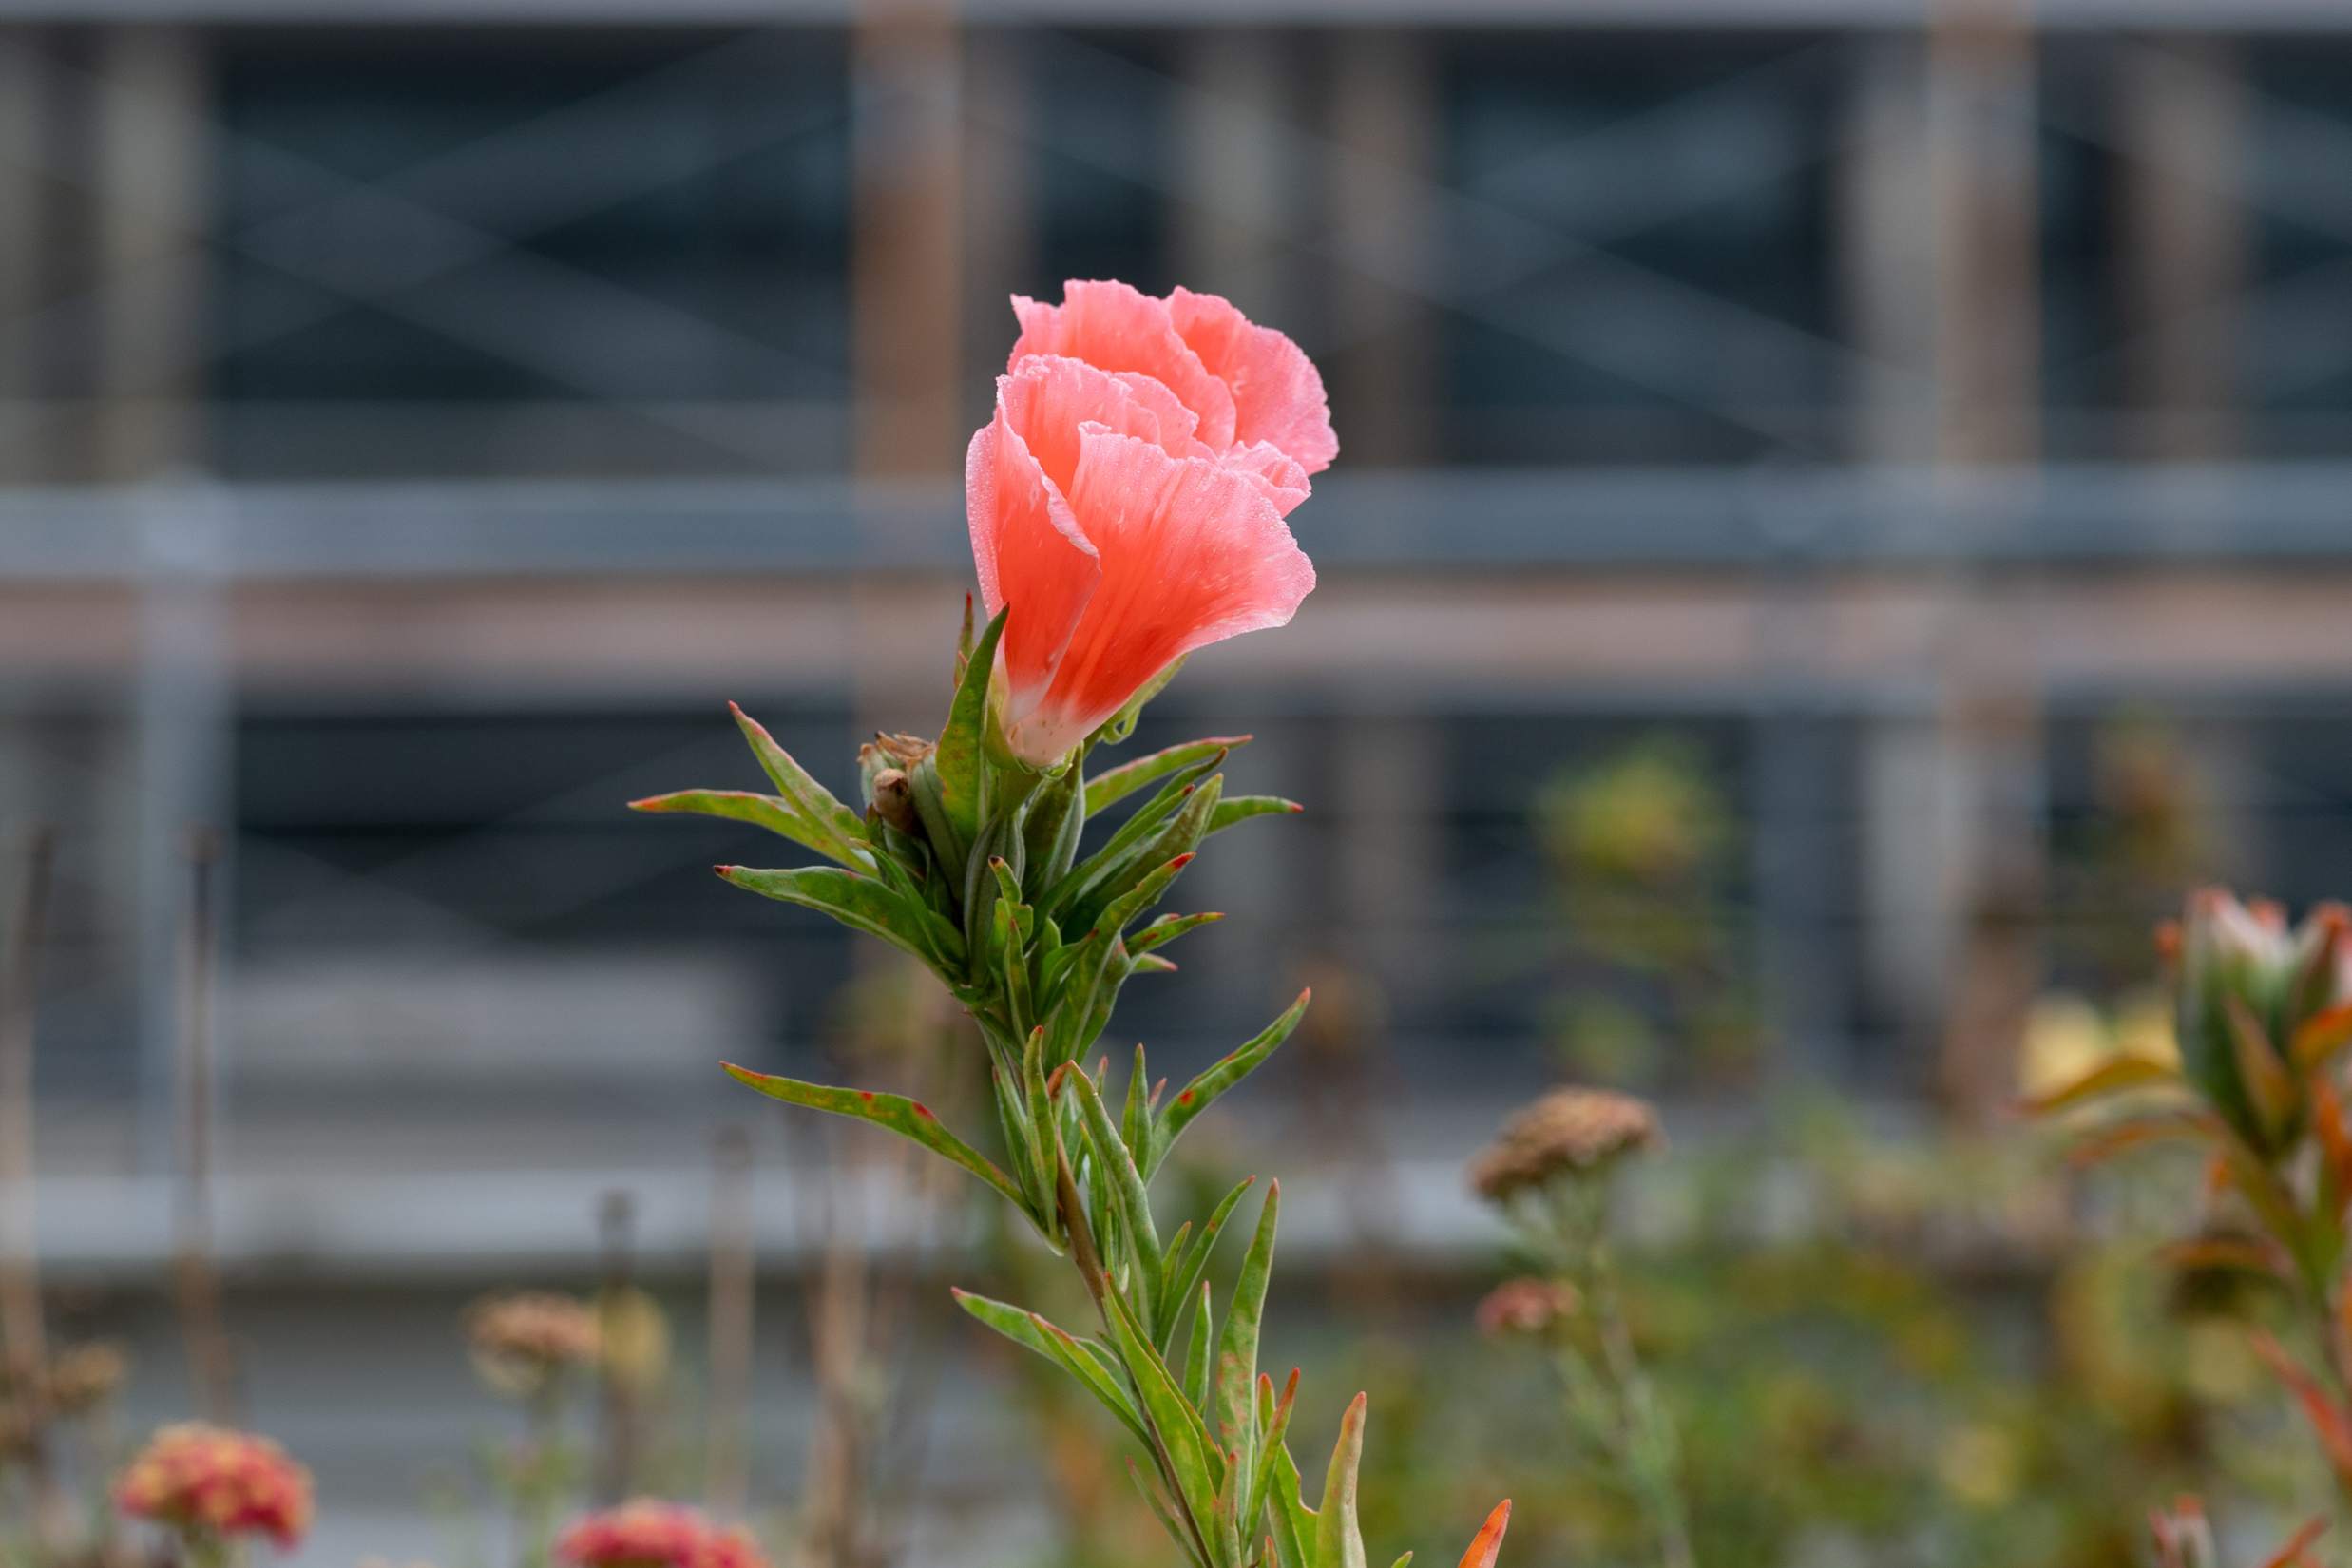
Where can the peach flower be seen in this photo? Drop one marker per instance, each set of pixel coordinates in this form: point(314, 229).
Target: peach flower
point(1128, 497)
point(646, 1533)
point(213, 1481)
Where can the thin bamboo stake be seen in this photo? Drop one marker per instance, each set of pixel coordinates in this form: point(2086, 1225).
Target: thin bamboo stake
point(727, 1458)
point(617, 1413)
point(212, 1368)
point(24, 1349)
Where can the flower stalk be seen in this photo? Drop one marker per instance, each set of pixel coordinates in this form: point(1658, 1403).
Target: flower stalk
point(1126, 507)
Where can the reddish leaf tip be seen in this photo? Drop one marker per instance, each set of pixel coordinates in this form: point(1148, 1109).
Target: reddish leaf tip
point(924, 1111)
point(724, 870)
point(1181, 861)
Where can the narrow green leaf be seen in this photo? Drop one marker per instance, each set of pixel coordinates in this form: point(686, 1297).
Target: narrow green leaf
point(1339, 1540)
point(1274, 1425)
point(1241, 808)
point(1194, 1457)
point(1166, 1510)
point(2114, 1076)
point(762, 811)
point(961, 750)
point(1134, 1117)
point(1033, 1332)
point(1052, 823)
point(1196, 1358)
point(1120, 850)
point(894, 1113)
point(1108, 787)
point(1237, 1351)
point(1221, 1075)
point(835, 830)
point(1166, 929)
point(1186, 1266)
point(861, 902)
point(1084, 997)
point(1293, 1522)
point(1182, 836)
point(1135, 1203)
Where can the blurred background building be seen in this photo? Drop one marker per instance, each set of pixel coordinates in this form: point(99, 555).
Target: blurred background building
point(418, 416)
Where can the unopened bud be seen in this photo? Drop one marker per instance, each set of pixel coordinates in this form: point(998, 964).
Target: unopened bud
point(893, 798)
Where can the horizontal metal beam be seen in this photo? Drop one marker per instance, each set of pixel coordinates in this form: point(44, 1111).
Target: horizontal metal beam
point(1470, 521)
point(2234, 16)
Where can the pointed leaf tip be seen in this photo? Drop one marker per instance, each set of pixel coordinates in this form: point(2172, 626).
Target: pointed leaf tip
point(1489, 1543)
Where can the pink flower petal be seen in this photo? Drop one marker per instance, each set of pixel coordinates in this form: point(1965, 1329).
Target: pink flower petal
point(1277, 391)
point(1114, 327)
point(1025, 545)
point(1191, 552)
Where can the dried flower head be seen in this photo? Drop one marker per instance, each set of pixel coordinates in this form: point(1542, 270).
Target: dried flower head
point(82, 1377)
point(1526, 1305)
point(647, 1533)
point(524, 1340)
point(1567, 1132)
point(207, 1481)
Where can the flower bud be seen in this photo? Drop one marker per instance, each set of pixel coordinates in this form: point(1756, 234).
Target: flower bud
point(2249, 984)
point(894, 796)
point(1567, 1132)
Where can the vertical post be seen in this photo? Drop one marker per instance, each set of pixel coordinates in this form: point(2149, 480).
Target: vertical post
point(1888, 260)
point(1237, 178)
point(617, 1413)
point(2182, 111)
point(211, 1365)
point(24, 1349)
point(1384, 123)
point(726, 1462)
point(25, 241)
point(152, 211)
point(906, 279)
point(1982, 125)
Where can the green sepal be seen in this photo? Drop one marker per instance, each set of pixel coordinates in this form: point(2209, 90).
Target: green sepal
point(1033, 1332)
point(893, 1113)
point(1114, 785)
point(962, 745)
point(1122, 723)
point(1221, 1075)
point(835, 832)
point(861, 902)
point(1057, 816)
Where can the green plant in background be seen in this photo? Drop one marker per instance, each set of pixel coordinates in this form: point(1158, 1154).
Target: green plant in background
point(1548, 1174)
point(2263, 1012)
point(1640, 844)
point(537, 1348)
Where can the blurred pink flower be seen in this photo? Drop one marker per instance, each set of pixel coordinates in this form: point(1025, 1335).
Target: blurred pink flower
point(650, 1534)
point(208, 1480)
point(1128, 497)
